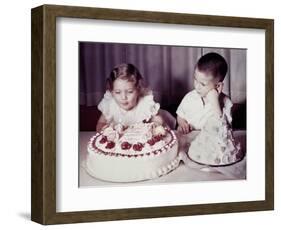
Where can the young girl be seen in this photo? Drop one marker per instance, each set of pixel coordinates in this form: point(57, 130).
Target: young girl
point(207, 109)
point(126, 101)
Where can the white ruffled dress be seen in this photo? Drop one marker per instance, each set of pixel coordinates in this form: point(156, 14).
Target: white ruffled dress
point(145, 109)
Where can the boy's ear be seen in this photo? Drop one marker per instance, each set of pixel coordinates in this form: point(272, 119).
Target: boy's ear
point(219, 87)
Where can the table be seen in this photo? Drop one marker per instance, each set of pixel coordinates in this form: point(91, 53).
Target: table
point(187, 171)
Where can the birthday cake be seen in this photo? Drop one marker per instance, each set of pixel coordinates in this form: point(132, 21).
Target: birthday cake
point(139, 152)
point(215, 145)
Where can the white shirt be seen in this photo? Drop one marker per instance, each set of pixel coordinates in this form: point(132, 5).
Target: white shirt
point(144, 110)
point(196, 113)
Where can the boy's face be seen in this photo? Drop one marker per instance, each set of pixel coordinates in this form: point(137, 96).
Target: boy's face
point(125, 94)
point(204, 82)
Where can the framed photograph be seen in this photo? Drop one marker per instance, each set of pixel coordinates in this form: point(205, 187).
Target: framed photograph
point(139, 114)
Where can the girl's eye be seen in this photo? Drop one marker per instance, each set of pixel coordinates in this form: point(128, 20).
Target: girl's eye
point(117, 92)
point(130, 91)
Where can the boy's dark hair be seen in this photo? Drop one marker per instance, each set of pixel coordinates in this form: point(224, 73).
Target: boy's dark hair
point(129, 72)
point(213, 64)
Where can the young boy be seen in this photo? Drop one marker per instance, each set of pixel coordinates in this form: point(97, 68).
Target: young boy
point(208, 109)
point(207, 99)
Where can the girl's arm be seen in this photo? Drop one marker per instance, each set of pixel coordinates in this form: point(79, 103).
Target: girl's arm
point(101, 124)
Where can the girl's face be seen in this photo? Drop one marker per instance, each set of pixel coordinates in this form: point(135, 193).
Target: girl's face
point(125, 94)
point(203, 83)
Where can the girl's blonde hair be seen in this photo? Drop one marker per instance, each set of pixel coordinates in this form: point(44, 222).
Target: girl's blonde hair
point(129, 72)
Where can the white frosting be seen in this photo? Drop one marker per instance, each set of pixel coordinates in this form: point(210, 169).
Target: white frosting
point(119, 165)
point(215, 145)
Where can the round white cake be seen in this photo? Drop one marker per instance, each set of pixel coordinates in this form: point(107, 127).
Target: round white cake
point(135, 153)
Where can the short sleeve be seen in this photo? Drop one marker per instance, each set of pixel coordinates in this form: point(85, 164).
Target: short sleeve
point(184, 105)
point(105, 105)
point(147, 108)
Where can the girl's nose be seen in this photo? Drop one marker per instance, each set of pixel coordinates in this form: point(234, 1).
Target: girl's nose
point(124, 96)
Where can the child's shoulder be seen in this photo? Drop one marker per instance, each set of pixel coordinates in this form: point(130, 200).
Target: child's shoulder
point(191, 95)
point(107, 99)
point(146, 96)
point(147, 99)
point(147, 106)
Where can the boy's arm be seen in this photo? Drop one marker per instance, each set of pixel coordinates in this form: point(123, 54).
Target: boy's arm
point(213, 99)
point(101, 124)
point(183, 125)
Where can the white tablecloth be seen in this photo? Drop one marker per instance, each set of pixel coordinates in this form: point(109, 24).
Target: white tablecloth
point(186, 172)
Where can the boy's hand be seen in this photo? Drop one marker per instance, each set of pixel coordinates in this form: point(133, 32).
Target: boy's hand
point(213, 98)
point(213, 94)
point(183, 125)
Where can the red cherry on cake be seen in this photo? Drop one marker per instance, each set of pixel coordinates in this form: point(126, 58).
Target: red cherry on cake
point(151, 142)
point(138, 146)
point(126, 145)
point(110, 145)
point(103, 140)
point(157, 138)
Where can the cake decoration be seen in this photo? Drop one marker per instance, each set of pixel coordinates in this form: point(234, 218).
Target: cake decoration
point(138, 152)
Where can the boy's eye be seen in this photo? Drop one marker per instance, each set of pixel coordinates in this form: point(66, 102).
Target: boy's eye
point(199, 82)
